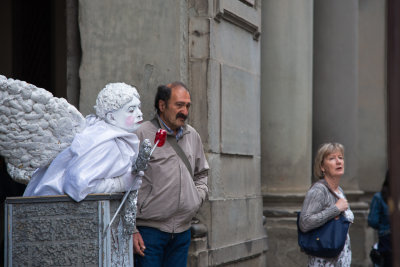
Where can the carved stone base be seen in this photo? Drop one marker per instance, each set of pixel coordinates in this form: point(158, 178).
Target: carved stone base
point(57, 231)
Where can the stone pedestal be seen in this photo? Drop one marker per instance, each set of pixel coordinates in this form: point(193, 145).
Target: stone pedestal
point(57, 231)
point(280, 211)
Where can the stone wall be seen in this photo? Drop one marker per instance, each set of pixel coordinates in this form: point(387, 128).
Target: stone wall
point(214, 47)
point(141, 43)
point(224, 73)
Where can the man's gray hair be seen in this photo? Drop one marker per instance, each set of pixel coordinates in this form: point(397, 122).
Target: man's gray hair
point(113, 97)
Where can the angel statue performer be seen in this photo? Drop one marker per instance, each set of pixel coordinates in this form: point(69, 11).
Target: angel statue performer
point(48, 144)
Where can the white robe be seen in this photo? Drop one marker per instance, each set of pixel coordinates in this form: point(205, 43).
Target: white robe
point(99, 160)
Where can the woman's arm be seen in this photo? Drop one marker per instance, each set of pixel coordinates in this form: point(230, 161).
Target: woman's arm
point(318, 207)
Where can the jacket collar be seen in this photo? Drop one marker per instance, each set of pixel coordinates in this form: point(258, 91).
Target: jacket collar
point(182, 131)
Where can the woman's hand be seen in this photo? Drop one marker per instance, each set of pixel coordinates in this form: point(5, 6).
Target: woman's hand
point(342, 204)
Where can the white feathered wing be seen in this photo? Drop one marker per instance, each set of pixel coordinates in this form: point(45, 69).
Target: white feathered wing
point(35, 127)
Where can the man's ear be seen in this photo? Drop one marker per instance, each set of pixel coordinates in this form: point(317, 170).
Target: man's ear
point(161, 105)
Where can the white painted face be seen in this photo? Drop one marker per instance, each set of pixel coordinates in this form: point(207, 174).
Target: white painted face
point(128, 117)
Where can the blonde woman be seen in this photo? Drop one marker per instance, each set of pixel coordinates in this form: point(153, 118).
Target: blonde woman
point(320, 205)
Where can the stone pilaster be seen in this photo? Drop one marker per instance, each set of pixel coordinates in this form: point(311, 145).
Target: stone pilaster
point(372, 117)
point(224, 73)
point(340, 92)
point(335, 88)
point(286, 122)
point(286, 95)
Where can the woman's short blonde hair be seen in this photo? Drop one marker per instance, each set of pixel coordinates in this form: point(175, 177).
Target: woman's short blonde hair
point(323, 151)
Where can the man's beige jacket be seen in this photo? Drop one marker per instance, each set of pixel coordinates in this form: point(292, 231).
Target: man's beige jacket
point(169, 197)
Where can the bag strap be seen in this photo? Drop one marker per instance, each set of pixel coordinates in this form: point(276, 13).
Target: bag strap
point(330, 189)
point(172, 141)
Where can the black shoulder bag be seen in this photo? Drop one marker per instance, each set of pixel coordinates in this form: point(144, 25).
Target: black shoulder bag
point(326, 241)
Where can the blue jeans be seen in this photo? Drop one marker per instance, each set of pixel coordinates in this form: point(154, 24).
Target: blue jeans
point(163, 249)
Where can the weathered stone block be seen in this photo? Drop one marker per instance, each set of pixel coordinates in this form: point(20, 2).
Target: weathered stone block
point(199, 37)
point(214, 106)
point(235, 219)
point(198, 82)
point(283, 248)
point(146, 46)
point(240, 118)
point(235, 47)
point(228, 172)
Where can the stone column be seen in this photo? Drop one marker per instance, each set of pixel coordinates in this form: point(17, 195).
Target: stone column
point(335, 89)
point(286, 96)
point(372, 120)
point(372, 95)
point(338, 103)
point(286, 122)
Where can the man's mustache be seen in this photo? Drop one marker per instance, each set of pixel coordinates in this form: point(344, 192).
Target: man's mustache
point(181, 115)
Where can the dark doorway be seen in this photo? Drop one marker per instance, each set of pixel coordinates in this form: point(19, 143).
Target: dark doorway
point(39, 44)
point(31, 33)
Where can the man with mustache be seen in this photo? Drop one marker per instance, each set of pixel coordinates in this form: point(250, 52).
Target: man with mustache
point(174, 185)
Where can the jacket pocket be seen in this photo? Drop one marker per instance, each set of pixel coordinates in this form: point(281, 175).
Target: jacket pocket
point(191, 202)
